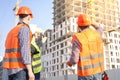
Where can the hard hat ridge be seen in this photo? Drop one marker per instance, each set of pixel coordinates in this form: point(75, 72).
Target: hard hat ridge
point(25, 10)
point(83, 20)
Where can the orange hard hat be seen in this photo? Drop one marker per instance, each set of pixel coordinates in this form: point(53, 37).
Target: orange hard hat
point(83, 20)
point(25, 10)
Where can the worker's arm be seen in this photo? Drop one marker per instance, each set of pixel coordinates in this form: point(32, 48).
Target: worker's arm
point(30, 73)
point(24, 38)
point(74, 58)
point(97, 27)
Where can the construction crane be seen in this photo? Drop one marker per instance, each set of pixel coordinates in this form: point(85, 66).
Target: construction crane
point(88, 5)
point(15, 9)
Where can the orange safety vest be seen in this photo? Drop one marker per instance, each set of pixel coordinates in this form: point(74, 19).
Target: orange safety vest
point(91, 60)
point(12, 58)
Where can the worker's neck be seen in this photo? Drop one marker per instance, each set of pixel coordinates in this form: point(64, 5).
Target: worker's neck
point(24, 21)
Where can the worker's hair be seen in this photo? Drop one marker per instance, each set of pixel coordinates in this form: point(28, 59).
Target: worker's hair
point(83, 27)
point(23, 15)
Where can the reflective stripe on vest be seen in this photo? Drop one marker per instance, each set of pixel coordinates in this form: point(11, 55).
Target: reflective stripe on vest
point(91, 66)
point(91, 59)
point(12, 50)
point(12, 58)
point(36, 59)
point(92, 56)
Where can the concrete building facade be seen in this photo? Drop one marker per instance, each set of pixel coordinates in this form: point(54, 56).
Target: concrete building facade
point(112, 50)
point(57, 49)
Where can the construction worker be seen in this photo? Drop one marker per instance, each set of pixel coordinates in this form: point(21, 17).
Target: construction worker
point(87, 50)
point(36, 55)
point(17, 59)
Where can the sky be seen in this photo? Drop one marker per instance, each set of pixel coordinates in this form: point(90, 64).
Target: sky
point(42, 12)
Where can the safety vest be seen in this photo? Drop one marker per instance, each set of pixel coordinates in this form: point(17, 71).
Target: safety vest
point(36, 59)
point(12, 58)
point(91, 60)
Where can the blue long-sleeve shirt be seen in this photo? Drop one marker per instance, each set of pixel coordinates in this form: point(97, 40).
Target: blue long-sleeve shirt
point(24, 37)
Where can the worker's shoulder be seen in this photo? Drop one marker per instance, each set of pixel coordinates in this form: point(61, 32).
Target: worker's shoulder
point(24, 29)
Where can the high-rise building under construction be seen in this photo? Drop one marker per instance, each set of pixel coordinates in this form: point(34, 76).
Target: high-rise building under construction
point(57, 49)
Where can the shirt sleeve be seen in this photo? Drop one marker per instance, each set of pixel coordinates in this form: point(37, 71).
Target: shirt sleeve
point(24, 39)
point(74, 58)
point(99, 29)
